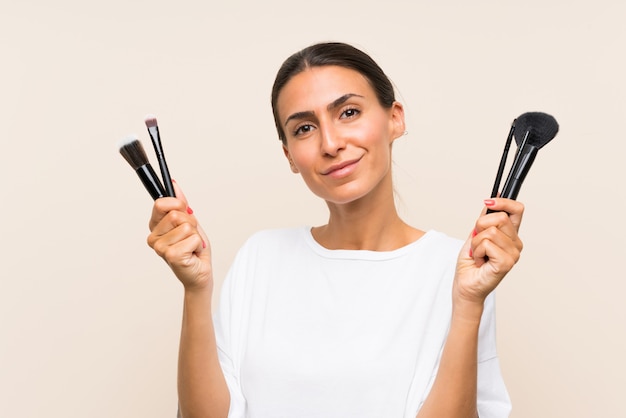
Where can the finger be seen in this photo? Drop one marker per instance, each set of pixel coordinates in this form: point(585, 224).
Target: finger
point(498, 238)
point(162, 244)
point(162, 207)
point(179, 193)
point(513, 208)
point(499, 261)
point(182, 253)
point(203, 235)
point(171, 221)
point(489, 225)
point(467, 256)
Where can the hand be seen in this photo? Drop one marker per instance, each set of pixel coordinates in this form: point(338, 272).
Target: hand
point(490, 252)
point(180, 241)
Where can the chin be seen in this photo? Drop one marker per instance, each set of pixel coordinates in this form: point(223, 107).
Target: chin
point(351, 191)
point(343, 197)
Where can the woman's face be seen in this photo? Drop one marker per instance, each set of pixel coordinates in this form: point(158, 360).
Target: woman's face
point(338, 136)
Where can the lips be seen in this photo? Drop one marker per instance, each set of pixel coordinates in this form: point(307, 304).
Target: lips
point(344, 167)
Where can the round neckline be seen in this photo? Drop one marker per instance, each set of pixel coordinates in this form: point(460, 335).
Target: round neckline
point(362, 254)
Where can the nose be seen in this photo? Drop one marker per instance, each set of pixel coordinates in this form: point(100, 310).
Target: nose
point(332, 140)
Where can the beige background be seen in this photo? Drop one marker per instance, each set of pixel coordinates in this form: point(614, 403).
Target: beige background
point(89, 316)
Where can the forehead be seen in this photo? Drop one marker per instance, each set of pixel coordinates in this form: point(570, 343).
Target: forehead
point(319, 86)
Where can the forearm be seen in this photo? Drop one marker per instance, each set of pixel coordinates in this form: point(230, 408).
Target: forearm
point(453, 394)
point(202, 388)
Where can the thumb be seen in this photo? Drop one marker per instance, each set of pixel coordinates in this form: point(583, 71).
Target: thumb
point(181, 196)
point(179, 192)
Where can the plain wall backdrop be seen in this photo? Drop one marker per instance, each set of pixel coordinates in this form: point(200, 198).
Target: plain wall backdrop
point(90, 317)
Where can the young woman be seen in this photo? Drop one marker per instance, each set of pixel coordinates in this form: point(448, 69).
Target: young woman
point(365, 316)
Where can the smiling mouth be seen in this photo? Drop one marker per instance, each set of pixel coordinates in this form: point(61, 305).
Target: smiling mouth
point(341, 168)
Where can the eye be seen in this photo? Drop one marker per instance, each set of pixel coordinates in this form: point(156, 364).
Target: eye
point(349, 113)
point(303, 129)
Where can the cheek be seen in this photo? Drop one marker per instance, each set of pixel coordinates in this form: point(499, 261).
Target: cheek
point(376, 135)
point(301, 156)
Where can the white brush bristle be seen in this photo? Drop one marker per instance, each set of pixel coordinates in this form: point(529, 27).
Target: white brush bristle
point(127, 140)
point(133, 152)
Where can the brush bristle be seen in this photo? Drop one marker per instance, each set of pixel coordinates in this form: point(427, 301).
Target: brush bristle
point(133, 152)
point(151, 121)
point(543, 128)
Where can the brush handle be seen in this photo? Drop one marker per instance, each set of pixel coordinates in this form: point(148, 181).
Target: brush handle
point(505, 153)
point(150, 181)
point(158, 149)
point(167, 180)
point(519, 171)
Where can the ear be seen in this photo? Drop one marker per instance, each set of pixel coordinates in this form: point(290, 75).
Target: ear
point(397, 120)
point(294, 169)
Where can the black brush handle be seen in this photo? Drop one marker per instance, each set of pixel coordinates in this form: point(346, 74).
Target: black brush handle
point(519, 171)
point(505, 154)
point(158, 148)
point(150, 181)
point(167, 180)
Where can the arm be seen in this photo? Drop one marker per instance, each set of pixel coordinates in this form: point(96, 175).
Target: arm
point(179, 240)
point(488, 255)
point(202, 390)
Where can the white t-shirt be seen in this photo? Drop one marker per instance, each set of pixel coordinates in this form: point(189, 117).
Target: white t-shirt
point(307, 332)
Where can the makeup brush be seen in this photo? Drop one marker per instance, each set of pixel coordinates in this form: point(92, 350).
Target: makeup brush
point(533, 130)
point(133, 152)
point(153, 130)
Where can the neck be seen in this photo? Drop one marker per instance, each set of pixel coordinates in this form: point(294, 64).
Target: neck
point(369, 223)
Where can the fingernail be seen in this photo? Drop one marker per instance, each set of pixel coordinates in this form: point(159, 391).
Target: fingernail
point(471, 253)
point(189, 210)
point(489, 202)
point(203, 244)
point(474, 232)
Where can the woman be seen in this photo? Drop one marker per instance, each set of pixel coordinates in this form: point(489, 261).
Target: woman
point(364, 316)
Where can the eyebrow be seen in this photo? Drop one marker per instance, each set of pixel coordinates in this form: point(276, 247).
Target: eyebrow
point(335, 104)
